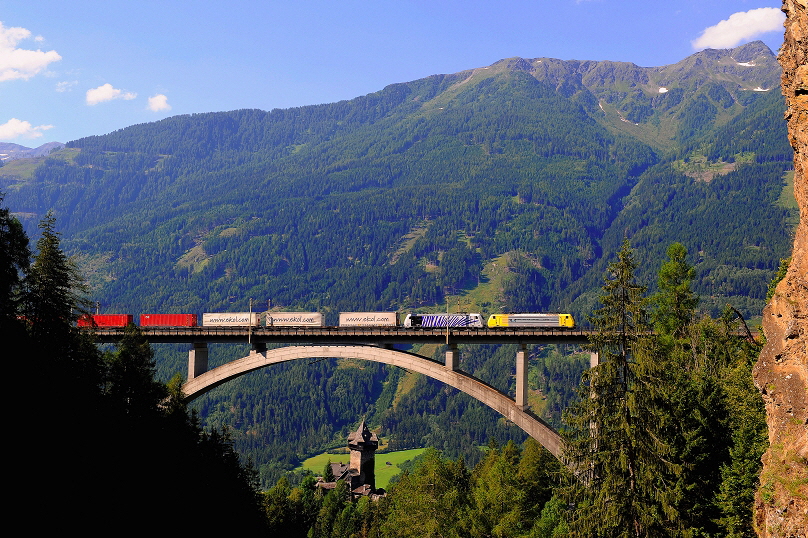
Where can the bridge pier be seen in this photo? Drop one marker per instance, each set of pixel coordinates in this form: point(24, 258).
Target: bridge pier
point(198, 360)
point(521, 378)
point(452, 357)
point(594, 359)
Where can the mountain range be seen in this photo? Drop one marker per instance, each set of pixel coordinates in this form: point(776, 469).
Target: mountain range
point(500, 188)
point(9, 152)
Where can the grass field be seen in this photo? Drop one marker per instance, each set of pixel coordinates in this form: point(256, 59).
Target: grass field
point(387, 463)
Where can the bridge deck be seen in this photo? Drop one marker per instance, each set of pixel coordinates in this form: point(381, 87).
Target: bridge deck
point(351, 335)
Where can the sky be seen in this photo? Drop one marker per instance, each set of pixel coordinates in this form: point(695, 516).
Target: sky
point(75, 69)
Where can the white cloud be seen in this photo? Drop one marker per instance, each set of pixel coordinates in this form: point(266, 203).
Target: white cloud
point(158, 103)
point(65, 85)
point(740, 26)
point(21, 63)
point(15, 128)
point(106, 92)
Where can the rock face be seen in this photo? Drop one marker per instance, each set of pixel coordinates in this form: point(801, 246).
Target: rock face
point(781, 373)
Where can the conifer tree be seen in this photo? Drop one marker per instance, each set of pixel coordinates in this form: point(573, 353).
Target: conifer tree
point(53, 297)
point(538, 473)
point(53, 287)
point(305, 505)
point(130, 387)
point(616, 446)
point(497, 498)
point(694, 423)
point(328, 472)
point(51, 301)
point(675, 302)
point(746, 422)
point(430, 500)
point(280, 510)
point(14, 260)
point(333, 504)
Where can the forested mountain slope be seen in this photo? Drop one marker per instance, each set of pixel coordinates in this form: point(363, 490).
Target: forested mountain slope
point(506, 187)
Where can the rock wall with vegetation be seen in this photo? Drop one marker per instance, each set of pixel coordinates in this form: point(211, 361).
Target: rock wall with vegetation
point(782, 370)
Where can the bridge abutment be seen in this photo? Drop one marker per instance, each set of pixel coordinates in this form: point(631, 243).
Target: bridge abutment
point(198, 360)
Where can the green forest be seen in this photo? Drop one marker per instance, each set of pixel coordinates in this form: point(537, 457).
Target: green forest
point(500, 189)
point(104, 443)
point(663, 436)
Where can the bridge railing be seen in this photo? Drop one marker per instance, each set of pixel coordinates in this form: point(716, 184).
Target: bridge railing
point(381, 335)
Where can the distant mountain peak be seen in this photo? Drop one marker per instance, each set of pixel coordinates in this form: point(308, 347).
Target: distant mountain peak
point(9, 151)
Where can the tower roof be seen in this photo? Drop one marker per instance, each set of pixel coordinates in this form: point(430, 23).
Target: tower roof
point(362, 435)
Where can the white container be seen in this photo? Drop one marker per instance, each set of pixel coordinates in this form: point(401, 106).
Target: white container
point(368, 319)
point(294, 319)
point(230, 319)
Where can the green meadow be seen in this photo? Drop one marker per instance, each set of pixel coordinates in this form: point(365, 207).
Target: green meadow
point(387, 463)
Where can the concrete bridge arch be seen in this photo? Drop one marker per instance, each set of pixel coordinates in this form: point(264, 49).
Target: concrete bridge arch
point(448, 374)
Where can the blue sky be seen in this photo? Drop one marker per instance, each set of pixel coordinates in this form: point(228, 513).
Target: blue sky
point(74, 69)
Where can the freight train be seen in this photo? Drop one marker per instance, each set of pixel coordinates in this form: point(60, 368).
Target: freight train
point(346, 319)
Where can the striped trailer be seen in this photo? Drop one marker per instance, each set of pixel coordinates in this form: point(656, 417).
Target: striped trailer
point(531, 320)
point(443, 320)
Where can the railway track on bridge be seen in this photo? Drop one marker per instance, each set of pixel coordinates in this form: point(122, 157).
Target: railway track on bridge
point(351, 335)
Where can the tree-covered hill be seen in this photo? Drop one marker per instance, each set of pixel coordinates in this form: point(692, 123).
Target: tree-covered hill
point(504, 187)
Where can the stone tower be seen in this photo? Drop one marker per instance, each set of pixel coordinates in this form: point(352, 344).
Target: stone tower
point(363, 444)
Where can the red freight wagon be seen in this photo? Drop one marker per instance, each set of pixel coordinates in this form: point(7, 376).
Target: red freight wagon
point(105, 320)
point(168, 320)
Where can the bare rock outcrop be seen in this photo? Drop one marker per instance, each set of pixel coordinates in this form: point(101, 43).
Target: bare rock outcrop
point(781, 373)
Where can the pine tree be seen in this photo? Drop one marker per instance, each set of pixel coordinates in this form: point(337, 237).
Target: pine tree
point(430, 500)
point(616, 446)
point(497, 498)
point(14, 261)
point(538, 472)
point(333, 504)
point(675, 302)
point(68, 370)
point(130, 387)
point(305, 504)
point(54, 289)
point(746, 421)
point(279, 509)
point(328, 472)
point(694, 423)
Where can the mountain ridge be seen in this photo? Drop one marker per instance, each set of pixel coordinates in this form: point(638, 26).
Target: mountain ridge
point(10, 152)
point(479, 119)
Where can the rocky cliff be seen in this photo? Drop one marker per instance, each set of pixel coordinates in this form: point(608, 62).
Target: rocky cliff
point(781, 374)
